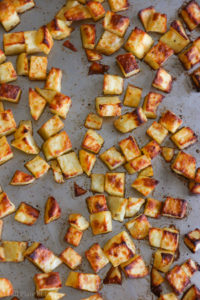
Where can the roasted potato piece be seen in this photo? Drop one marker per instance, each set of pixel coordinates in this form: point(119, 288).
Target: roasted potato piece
point(170, 296)
point(184, 138)
point(96, 257)
point(115, 23)
point(70, 165)
point(87, 161)
point(93, 55)
point(157, 22)
point(22, 6)
point(185, 165)
point(14, 43)
point(7, 123)
point(108, 106)
point(93, 121)
point(52, 210)
point(133, 206)
point(78, 222)
point(157, 132)
point(101, 222)
point(73, 236)
point(77, 13)
point(135, 267)
point(117, 207)
point(196, 78)
point(60, 105)
point(97, 68)
point(114, 276)
point(51, 127)
point(113, 84)
point(44, 39)
point(78, 190)
point(170, 121)
point(145, 14)
point(137, 164)
point(57, 173)
point(191, 14)
point(167, 153)
point(118, 5)
point(153, 208)
point(148, 172)
point(27, 214)
point(6, 288)
point(83, 281)
point(151, 103)
point(22, 64)
point(190, 57)
point(5, 150)
point(129, 148)
point(156, 281)
point(96, 203)
point(138, 227)
point(109, 43)
point(133, 96)
point(88, 35)
point(164, 238)
point(21, 178)
point(54, 79)
point(6, 206)
point(71, 258)
point(92, 141)
point(30, 42)
point(37, 166)
point(130, 120)
point(151, 150)
point(14, 251)
point(128, 64)
point(174, 208)
point(145, 185)
point(138, 43)
point(112, 158)
point(119, 249)
point(192, 293)
point(54, 296)
point(96, 10)
point(163, 81)
point(26, 144)
point(163, 260)
point(97, 183)
point(36, 103)
point(7, 72)
point(24, 127)
point(58, 29)
point(38, 68)
point(46, 283)
point(42, 257)
point(192, 240)
point(115, 184)
point(2, 56)
point(8, 15)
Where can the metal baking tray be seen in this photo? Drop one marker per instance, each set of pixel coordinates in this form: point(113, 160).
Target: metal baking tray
point(83, 89)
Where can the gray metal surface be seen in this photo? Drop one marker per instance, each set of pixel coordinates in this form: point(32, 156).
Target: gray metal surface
point(83, 89)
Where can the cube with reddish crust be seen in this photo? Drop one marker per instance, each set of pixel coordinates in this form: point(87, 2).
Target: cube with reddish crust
point(7, 72)
point(52, 210)
point(88, 35)
point(5, 150)
point(137, 164)
point(115, 184)
point(192, 240)
point(185, 165)
point(153, 208)
point(170, 121)
point(151, 103)
point(133, 96)
point(138, 227)
point(109, 43)
point(114, 276)
point(112, 158)
point(93, 55)
point(36, 104)
point(115, 23)
point(14, 43)
point(44, 39)
point(192, 293)
point(92, 141)
point(101, 222)
point(157, 22)
point(157, 132)
point(191, 14)
point(174, 208)
point(21, 178)
point(47, 282)
point(54, 79)
point(77, 12)
point(145, 185)
point(96, 257)
point(165, 238)
point(108, 106)
point(152, 149)
point(71, 258)
point(190, 57)
point(96, 203)
point(118, 5)
point(163, 81)
point(83, 281)
point(6, 206)
point(27, 214)
point(130, 120)
point(73, 236)
point(59, 29)
point(60, 105)
point(10, 93)
point(87, 161)
point(128, 64)
point(184, 138)
point(163, 260)
point(135, 267)
point(9, 17)
point(129, 148)
point(96, 10)
point(6, 288)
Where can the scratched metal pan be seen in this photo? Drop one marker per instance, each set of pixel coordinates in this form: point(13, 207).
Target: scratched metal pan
point(83, 89)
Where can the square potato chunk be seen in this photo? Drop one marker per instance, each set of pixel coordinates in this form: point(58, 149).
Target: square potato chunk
point(192, 240)
point(78, 222)
point(93, 55)
point(36, 103)
point(191, 14)
point(112, 158)
point(27, 214)
point(97, 183)
point(115, 23)
point(73, 236)
point(30, 42)
point(96, 10)
point(70, 165)
point(88, 35)
point(92, 141)
point(54, 79)
point(118, 5)
point(96, 257)
point(119, 248)
point(57, 173)
point(137, 164)
point(157, 132)
point(59, 29)
point(133, 206)
point(96, 203)
point(145, 185)
point(145, 14)
point(151, 150)
point(163, 81)
point(174, 208)
point(14, 43)
point(128, 64)
point(83, 281)
point(76, 12)
point(135, 267)
point(38, 68)
point(190, 57)
point(46, 283)
point(109, 43)
point(113, 85)
point(185, 165)
point(167, 153)
point(9, 17)
point(37, 166)
point(138, 43)
point(51, 127)
point(87, 161)
point(129, 148)
point(184, 138)
point(59, 104)
point(44, 39)
point(117, 207)
point(6, 206)
point(22, 6)
point(151, 103)
point(178, 279)
point(115, 184)
point(93, 121)
point(14, 251)
point(157, 22)
point(153, 208)
point(108, 106)
point(130, 120)
point(133, 96)
point(170, 296)
point(7, 72)
point(170, 121)
point(101, 222)
point(5, 150)
point(71, 258)
point(163, 260)
point(165, 238)
point(138, 227)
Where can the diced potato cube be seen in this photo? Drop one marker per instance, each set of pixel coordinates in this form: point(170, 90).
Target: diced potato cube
point(88, 35)
point(113, 85)
point(71, 258)
point(138, 227)
point(185, 165)
point(22, 64)
point(7, 122)
point(190, 57)
point(129, 148)
point(8, 15)
point(14, 251)
point(145, 14)
point(46, 283)
point(101, 222)
point(97, 183)
point(30, 42)
point(96, 10)
point(184, 138)
point(73, 236)
point(57, 173)
point(108, 106)
point(147, 172)
point(44, 39)
point(51, 127)
point(156, 281)
point(6, 288)
point(157, 23)
point(152, 149)
point(27, 214)
point(78, 222)
point(163, 260)
point(117, 207)
point(70, 165)
point(109, 43)
point(96, 203)
point(167, 153)
point(153, 208)
point(92, 141)
point(145, 185)
point(170, 121)
point(165, 238)
point(58, 29)
point(24, 127)
point(174, 208)
point(112, 158)
point(52, 210)
point(93, 55)
point(22, 6)
point(151, 103)
point(191, 14)
point(14, 43)
point(5, 150)
point(115, 23)
point(130, 120)
point(128, 64)
point(59, 104)
point(137, 164)
point(84, 281)
point(38, 68)
point(177, 279)
point(118, 5)
point(37, 166)
point(77, 12)
point(113, 276)
point(93, 121)
point(87, 161)
point(36, 103)
point(96, 257)
point(53, 81)
point(157, 132)
point(115, 184)
point(135, 267)
point(133, 96)
point(163, 81)
point(133, 206)
point(192, 240)
point(7, 72)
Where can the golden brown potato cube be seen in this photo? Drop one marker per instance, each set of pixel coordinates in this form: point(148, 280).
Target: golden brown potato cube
point(192, 293)
point(57, 173)
point(176, 38)
point(22, 64)
point(14, 251)
point(78, 222)
point(51, 127)
point(44, 39)
point(71, 258)
point(158, 55)
point(163, 260)
point(119, 249)
point(60, 105)
point(54, 79)
point(133, 96)
point(190, 57)
point(191, 14)
point(148, 172)
point(5, 150)
point(70, 165)
point(92, 141)
point(133, 206)
point(113, 85)
point(157, 23)
point(47, 282)
point(87, 161)
point(109, 43)
point(152, 149)
point(6, 288)
point(97, 183)
point(189, 267)
point(130, 121)
point(65, 8)
point(151, 103)
point(96, 10)
point(8, 15)
point(174, 208)
point(192, 240)
point(163, 81)
point(135, 267)
point(23, 5)
point(48, 95)
point(54, 296)
point(6, 206)
point(1, 107)
point(7, 72)
point(145, 14)
point(155, 237)
point(108, 106)
point(157, 132)
point(52, 210)
point(96, 257)
point(112, 158)
point(194, 187)
point(177, 279)
point(129, 148)
point(184, 138)
point(2, 56)
point(83, 281)
point(73, 236)
point(170, 296)
point(185, 165)
point(115, 184)
point(36, 104)
point(7, 123)
point(26, 144)
point(24, 127)
point(114, 276)
point(117, 207)
point(115, 23)
point(88, 35)
point(59, 29)
point(77, 13)
point(128, 64)
point(167, 153)
point(93, 55)
point(93, 121)
point(145, 185)
point(156, 281)
point(30, 42)
point(14, 43)
point(37, 166)
point(96, 203)
point(153, 208)
point(38, 68)
point(170, 239)
point(138, 43)
point(170, 121)
point(138, 227)
point(56, 145)
point(137, 164)
point(118, 5)
point(101, 222)
point(27, 214)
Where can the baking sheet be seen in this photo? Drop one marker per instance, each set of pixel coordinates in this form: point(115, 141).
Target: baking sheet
point(83, 89)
